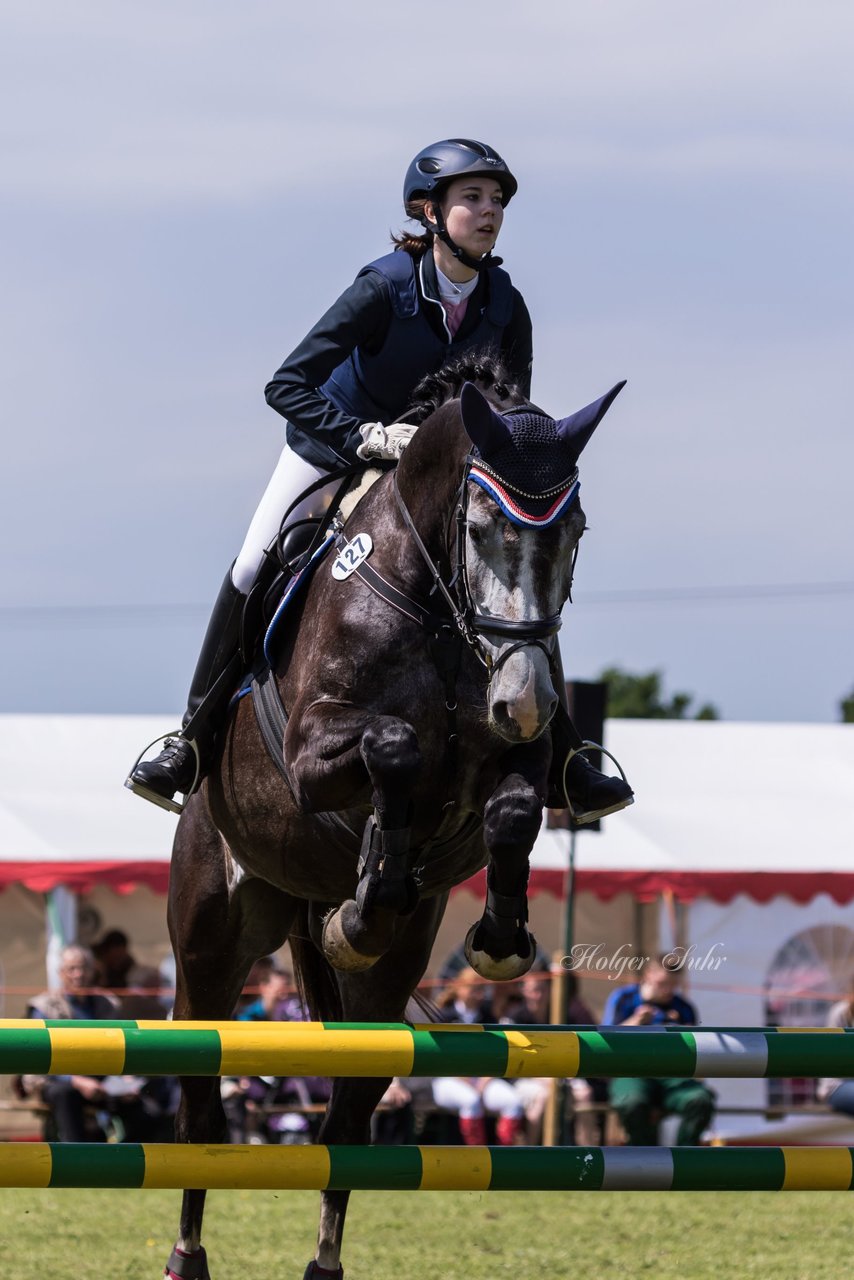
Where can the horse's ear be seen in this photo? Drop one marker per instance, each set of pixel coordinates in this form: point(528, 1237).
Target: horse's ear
point(577, 429)
point(485, 428)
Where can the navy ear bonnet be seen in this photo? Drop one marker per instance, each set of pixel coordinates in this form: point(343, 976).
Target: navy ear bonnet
point(525, 460)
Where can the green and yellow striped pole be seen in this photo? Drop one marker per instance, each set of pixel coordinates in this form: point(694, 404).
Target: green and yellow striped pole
point(150, 1165)
point(397, 1049)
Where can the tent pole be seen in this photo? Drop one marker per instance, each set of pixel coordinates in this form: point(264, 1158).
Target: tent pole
point(60, 927)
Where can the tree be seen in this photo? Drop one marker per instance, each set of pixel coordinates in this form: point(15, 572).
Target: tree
point(640, 697)
point(846, 709)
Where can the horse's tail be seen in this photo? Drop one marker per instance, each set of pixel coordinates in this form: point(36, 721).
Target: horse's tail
point(420, 1008)
point(313, 974)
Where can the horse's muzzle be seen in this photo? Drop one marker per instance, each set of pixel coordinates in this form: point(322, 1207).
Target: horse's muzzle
point(523, 718)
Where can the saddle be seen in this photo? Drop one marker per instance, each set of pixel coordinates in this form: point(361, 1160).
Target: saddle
point(288, 566)
point(290, 562)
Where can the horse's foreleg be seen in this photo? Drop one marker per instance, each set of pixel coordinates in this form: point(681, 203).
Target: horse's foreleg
point(378, 996)
point(339, 757)
point(500, 947)
point(363, 927)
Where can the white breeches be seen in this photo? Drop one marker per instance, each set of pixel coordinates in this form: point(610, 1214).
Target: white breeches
point(498, 1096)
point(291, 476)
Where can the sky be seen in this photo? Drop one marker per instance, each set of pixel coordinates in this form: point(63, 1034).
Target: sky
point(186, 188)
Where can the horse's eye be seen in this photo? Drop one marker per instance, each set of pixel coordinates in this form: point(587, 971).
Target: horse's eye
point(476, 534)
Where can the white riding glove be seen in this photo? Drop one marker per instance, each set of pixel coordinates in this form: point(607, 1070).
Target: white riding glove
point(385, 442)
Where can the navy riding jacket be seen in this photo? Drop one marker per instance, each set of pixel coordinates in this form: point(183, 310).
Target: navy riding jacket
point(362, 360)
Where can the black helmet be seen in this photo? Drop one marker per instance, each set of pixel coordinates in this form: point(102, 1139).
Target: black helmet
point(454, 158)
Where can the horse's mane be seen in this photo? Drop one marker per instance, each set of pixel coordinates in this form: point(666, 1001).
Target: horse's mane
point(484, 368)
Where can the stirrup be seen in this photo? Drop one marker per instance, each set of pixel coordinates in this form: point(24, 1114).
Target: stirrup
point(162, 801)
point(592, 815)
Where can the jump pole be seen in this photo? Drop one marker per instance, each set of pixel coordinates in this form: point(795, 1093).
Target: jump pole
point(358, 1168)
point(334, 1050)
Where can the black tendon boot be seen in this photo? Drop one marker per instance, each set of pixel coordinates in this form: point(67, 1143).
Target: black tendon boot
point(574, 783)
point(187, 757)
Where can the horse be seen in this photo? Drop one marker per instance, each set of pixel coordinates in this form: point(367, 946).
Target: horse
point(417, 682)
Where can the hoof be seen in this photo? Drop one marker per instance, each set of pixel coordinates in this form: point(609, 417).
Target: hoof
point(495, 969)
point(187, 1266)
point(315, 1272)
point(341, 930)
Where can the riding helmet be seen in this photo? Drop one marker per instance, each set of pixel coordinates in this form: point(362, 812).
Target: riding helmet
point(454, 158)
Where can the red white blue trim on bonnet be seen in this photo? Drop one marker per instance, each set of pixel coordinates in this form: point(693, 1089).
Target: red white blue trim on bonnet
point(510, 504)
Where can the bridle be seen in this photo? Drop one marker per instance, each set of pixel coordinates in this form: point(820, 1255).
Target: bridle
point(456, 592)
point(458, 623)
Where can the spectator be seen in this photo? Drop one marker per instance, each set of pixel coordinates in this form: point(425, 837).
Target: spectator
point(255, 1105)
point(141, 997)
point(508, 1003)
point(535, 1092)
point(70, 1096)
point(839, 1094)
point(252, 987)
point(640, 1104)
point(468, 999)
point(113, 960)
point(393, 1122)
point(272, 1001)
point(471, 1099)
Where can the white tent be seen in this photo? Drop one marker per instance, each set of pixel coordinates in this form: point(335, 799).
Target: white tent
point(721, 809)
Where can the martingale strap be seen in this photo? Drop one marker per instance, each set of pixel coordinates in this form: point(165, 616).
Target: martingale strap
point(407, 605)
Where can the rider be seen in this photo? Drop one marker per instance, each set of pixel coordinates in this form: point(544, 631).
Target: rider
point(343, 391)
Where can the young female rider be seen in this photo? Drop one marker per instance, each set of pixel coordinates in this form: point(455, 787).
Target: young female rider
point(344, 388)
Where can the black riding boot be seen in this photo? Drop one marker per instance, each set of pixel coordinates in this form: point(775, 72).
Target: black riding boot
point(214, 680)
point(574, 783)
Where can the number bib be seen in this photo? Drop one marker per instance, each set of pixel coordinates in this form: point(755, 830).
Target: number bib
point(351, 556)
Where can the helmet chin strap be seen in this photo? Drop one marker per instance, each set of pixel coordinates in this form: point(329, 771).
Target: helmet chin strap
point(439, 229)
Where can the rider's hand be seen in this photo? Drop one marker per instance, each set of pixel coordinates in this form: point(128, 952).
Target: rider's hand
point(383, 442)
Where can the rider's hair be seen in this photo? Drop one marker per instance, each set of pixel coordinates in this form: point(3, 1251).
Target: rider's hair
point(412, 244)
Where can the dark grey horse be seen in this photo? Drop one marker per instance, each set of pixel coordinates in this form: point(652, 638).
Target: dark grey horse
point(417, 690)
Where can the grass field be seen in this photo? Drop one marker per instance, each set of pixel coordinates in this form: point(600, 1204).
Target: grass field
point(268, 1235)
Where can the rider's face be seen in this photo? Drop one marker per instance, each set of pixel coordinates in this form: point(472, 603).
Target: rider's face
point(473, 213)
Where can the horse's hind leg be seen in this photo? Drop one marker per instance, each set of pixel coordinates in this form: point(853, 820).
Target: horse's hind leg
point(217, 932)
point(378, 996)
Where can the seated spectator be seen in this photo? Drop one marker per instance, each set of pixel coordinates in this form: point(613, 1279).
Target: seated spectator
point(466, 998)
point(272, 1003)
point(471, 1099)
point(113, 960)
point(393, 1122)
point(839, 1094)
point(641, 1103)
point(535, 1091)
point(252, 987)
point(508, 1003)
point(252, 1103)
point(141, 998)
point(70, 1097)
